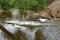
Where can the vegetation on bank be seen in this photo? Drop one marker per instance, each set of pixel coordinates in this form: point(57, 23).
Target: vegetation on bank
point(33, 5)
point(22, 4)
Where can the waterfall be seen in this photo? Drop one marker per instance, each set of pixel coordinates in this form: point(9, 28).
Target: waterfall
point(14, 14)
point(49, 32)
point(29, 30)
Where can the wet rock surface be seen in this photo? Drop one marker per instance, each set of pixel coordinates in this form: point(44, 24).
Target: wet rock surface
point(54, 8)
point(6, 15)
point(39, 35)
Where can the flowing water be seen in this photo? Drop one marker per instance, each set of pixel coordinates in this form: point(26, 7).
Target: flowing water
point(29, 30)
point(14, 14)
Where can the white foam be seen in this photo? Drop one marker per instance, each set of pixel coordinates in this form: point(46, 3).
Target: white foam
point(10, 28)
point(42, 20)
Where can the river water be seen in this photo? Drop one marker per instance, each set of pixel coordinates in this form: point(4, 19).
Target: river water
point(29, 30)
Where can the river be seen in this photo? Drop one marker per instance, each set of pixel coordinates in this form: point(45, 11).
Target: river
point(29, 30)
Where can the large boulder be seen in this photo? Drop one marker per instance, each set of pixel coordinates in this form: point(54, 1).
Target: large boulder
point(54, 8)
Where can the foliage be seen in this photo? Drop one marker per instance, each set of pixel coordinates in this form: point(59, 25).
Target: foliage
point(5, 4)
point(23, 4)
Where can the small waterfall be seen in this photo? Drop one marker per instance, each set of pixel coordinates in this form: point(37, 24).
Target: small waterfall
point(15, 14)
point(20, 15)
point(44, 32)
point(21, 31)
point(30, 34)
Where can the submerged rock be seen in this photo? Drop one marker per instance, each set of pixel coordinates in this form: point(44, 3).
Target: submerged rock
point(39, 35)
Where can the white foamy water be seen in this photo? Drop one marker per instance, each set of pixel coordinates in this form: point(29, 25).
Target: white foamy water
point(14, 14)
point(51, 32)
point(29, 33)
point(10, 28)
point(29, 23)
point(42, 20)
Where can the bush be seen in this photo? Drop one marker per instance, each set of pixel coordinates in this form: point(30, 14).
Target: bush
point(29, 4)
point(23, 4)
point(5, 4)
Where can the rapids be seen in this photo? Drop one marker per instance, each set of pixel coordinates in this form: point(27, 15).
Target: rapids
point(29, 30)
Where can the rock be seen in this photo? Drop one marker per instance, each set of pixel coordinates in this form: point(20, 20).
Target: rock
point(25, 14)
point(6, 33)
point(19, 35)
point(54, 8)
point(52, 11)
point(44, 13)
point(6, 15)
point(49, 1)
point(39, 35)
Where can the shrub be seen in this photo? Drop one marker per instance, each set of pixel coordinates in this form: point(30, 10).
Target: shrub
point(5, 4)
point(23, 4)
